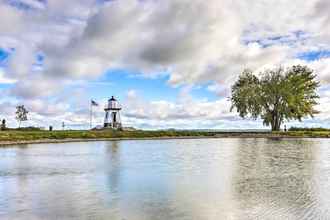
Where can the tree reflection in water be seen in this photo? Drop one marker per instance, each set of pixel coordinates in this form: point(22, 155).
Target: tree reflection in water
point(274, 179)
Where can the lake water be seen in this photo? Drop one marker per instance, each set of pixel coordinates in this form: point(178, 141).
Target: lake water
point(167, 179)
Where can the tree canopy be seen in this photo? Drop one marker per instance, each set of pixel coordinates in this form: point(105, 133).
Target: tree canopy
point(276, 95)
point(21, 114)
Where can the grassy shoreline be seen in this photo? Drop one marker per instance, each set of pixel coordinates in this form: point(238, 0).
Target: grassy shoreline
point(13, 137)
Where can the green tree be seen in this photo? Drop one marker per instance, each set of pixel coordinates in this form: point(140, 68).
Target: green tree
point(21, 114)
point(276, 95)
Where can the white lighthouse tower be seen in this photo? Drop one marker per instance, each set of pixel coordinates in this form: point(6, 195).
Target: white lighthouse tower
point(112, 114)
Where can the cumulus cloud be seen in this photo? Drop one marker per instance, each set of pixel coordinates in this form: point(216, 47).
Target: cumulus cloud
point(55, 42)
point(153, 36)
point(3, 79)
point(157, 36)
point(186, 111)
point(46, 108)
point(35, 88)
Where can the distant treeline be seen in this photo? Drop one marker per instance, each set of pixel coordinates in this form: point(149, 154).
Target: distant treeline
point(308, 129)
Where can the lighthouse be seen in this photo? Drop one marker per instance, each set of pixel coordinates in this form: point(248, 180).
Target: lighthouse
point(112, 114)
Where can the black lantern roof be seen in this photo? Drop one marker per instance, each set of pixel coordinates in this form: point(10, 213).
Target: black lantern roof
point(112, 99)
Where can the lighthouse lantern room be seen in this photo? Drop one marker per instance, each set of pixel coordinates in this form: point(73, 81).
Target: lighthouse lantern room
point(112, 114)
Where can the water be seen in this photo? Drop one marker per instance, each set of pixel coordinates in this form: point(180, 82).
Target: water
point(167, 179)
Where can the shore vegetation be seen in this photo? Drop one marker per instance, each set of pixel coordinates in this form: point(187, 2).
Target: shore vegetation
point(8, 137)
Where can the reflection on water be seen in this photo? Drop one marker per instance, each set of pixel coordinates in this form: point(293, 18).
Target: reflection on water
point(167, 179)
point(274, 179)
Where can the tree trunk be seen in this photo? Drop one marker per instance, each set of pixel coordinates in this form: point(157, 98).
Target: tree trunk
point(273, 125)
point(277, 125)
point(276, 122)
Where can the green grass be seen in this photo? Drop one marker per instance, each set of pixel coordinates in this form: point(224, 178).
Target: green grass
point(14, 135)
point(306, 133)
point(309, 129)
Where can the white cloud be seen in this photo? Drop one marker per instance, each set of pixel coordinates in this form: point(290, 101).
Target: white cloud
point(35, 87)
point(195, 42)
point(186, 111)
point(3, 79)
point(85, 39)
point(322, 69)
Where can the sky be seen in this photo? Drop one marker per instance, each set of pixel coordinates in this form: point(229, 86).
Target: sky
point(170, 63)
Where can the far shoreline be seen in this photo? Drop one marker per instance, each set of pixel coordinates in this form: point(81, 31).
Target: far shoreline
point(291, 135)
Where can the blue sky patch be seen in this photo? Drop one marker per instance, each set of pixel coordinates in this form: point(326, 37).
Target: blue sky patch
point(3, 55)
point(288, 39)
point(21, 5)
point(118, 82)
point(314, 55)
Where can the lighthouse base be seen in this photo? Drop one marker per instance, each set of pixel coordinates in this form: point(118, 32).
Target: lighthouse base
point(116, 126)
